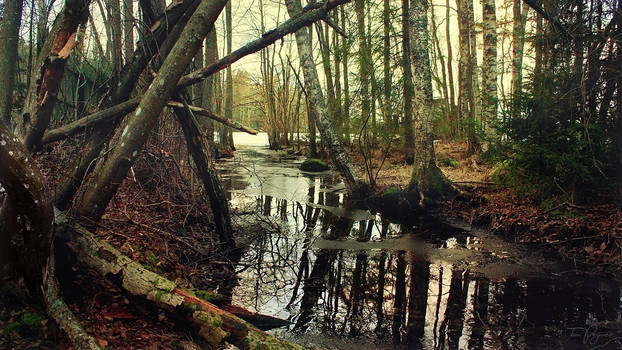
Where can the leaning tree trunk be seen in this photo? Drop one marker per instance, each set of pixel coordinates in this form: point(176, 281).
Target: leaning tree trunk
point(159, 40)
point(489, 67)
point(340, 158)
point(134, 136)
point(9, 32)
point(48, 73)
point(427, 179)
point(25, 216)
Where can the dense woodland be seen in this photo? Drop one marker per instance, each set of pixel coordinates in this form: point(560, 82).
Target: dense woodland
point(98, 95)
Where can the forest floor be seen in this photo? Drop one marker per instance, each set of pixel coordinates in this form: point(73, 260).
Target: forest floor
point(587, 235)
point(157, 219)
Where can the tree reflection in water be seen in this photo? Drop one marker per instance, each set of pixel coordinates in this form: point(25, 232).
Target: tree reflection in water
point(399, 297)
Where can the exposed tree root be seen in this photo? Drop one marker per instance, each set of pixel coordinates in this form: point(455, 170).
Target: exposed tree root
point(211, 323)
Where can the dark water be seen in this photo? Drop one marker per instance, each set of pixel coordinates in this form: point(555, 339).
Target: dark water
point(347, 279)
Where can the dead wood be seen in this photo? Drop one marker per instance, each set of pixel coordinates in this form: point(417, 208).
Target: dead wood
point(210, 322)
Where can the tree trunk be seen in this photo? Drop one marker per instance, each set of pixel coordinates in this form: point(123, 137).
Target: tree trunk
point(409, 142)
point(364, 60)
point(135, 134)
point(159, 41)
point(518, 43)
point(9, 32)
point(45, 83)
point(476, 101)
point(464, 80)
point(450, 73)
point(218, 201)
point(128, 29)
point(489, 66)
point(116, 41)
point(345, 123)
point(386, 55)
point(426, 180)
point(209, 94)
point(340, 158)
point(25, 216)
point(224, 133)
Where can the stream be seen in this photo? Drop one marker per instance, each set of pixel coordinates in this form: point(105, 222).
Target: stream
point(351, 279)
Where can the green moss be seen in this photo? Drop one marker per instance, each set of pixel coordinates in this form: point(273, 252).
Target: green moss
point(443, 159)
point(314, 165)
point(152, 258)
point(28, 325)
point(209, 296)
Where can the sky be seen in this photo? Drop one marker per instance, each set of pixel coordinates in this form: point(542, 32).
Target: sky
point(247, 24)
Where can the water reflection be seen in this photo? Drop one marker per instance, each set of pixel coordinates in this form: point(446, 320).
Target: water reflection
point(355, 275)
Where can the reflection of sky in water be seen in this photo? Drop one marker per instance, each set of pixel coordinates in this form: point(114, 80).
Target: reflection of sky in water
point(349, 273)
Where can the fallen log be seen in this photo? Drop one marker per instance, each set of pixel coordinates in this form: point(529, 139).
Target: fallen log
point(113, 112)
point(211, 323)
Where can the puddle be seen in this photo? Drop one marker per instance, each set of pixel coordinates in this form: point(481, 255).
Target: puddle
point(349, 279)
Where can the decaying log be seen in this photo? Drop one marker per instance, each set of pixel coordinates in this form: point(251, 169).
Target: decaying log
point(211, 323)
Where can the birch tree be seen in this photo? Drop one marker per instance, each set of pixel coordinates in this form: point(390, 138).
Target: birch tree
point(489, 67)
point(426, 179)
point(316, 101)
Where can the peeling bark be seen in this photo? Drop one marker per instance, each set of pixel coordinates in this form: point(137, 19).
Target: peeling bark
point(41, 96)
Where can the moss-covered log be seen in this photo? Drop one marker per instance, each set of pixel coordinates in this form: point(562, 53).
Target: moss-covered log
point(210, 322)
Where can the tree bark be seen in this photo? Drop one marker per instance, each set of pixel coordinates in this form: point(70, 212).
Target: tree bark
point(426, 180)
point(225, 138)
point(464, 80)
point(518, 43)
point(345, 123)
point(134, 136)
point(409, 142)
point(340, 158)
point(25, 216)
point(44, 86)
point(450, 72)
point(386, 55)
point(489, 68)
point(364, 60)
point(128, 29)
point(9, 32)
